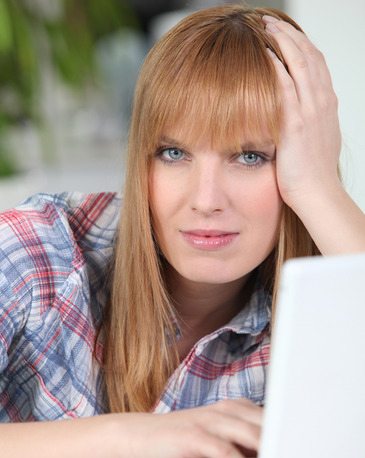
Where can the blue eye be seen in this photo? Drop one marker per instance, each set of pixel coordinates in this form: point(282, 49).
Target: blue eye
point(250, 158)
point(171, 154)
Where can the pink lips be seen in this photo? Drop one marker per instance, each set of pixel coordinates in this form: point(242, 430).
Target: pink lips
point(209, 239)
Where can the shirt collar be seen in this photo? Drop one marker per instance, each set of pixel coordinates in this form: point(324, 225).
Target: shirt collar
point(250, 326)
point(252, 320)
point(253, 317)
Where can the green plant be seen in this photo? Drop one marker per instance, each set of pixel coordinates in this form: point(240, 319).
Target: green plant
point(65, 31)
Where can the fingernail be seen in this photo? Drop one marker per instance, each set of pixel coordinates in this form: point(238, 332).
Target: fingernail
point(271, 27)
point(267, 18)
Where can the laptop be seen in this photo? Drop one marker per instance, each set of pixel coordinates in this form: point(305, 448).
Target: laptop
point(315, 400)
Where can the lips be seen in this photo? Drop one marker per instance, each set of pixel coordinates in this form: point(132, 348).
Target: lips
point(208, 233)
point(209, 239)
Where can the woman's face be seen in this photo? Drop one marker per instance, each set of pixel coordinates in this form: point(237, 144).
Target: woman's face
point(215, 211)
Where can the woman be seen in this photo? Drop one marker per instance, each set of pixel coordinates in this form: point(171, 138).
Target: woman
point(232, 169)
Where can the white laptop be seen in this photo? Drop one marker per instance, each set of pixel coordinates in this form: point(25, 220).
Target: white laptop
point(315, 403)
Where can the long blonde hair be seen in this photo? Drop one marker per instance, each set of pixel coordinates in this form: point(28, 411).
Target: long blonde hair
point(209, 75)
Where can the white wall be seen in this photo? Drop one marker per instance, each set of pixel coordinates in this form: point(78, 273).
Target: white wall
point(337, 27)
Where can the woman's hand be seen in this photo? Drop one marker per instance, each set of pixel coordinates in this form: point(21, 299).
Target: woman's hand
point(310, 144)
point(226, 429)
point(229, 428)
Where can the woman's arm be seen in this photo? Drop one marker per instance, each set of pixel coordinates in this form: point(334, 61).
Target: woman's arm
point(307, 156)
point(229, 428)
point(335, 222)
point(88, 437)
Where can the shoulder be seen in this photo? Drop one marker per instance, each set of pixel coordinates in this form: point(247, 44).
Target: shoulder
point(73, 209)
point(43, 240)
point(53, 225)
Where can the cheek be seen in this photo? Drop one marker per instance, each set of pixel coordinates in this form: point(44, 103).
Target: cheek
point(163, 197)
point(166, 187)
point(262, 202)
point(269, 201)
point(155, 195)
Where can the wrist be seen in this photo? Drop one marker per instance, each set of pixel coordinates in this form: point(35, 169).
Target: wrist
point(334, 221)
point(316, 194)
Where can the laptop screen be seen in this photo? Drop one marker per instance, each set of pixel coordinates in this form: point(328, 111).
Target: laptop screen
point(315, 403)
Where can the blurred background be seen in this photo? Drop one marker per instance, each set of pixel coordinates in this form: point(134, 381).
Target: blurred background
point(67, 75)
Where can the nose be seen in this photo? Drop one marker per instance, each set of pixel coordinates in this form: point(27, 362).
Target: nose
point(207, 190)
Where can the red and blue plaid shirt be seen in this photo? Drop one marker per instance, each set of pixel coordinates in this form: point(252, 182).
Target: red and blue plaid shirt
point(55, 251)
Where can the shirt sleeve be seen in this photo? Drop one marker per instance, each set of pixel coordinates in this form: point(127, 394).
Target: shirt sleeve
point(23, 269)
point(12, 317)
point(42, 242)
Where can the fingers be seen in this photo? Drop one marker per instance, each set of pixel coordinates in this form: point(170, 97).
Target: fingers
point(229, 428)
point(236, 421)
point(214, 447)
point(246, 435)
point(291, 101)
point(242, 409)
point(305, 62)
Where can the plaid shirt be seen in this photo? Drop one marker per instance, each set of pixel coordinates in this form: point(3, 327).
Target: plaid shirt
point(54, 256)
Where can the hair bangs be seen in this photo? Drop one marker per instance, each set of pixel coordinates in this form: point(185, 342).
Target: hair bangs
point(222, 87)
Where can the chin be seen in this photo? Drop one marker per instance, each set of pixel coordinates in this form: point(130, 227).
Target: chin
point(213, 276)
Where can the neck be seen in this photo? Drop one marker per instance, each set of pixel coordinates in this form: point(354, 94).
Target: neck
point(203, 307)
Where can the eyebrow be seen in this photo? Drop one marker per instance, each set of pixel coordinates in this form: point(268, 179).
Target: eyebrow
point(171, 141)
point(244, 147)
point(257, 145)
